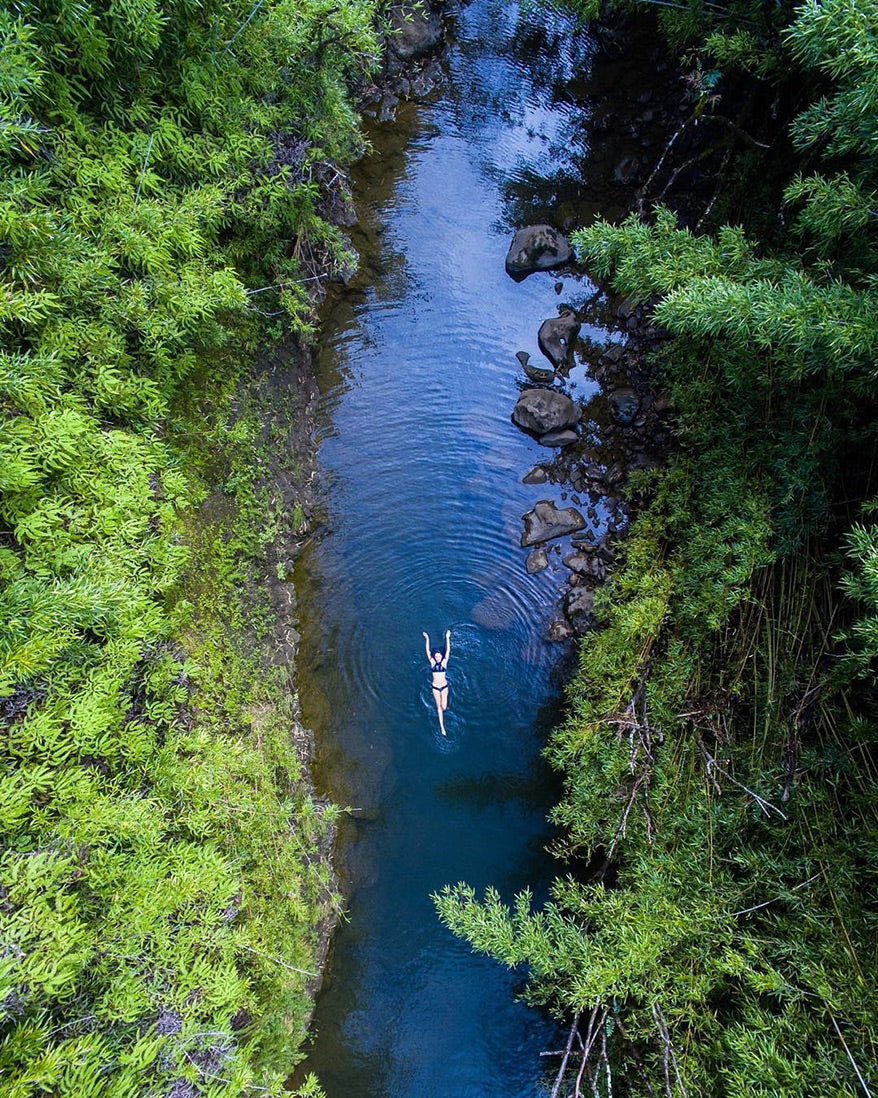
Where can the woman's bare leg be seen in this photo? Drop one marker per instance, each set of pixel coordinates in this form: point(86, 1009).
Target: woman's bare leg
point(439, 698)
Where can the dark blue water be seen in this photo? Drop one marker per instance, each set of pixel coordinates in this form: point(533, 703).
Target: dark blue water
point(421, 472)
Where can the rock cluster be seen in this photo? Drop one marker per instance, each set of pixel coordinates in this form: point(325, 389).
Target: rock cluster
point(620, 429)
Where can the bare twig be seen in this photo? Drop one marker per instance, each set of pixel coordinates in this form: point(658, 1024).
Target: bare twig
point(283, 285)
point(283, 964)
point(636, 1057)
point(756, 907)
point(703, 155)
point(711, 764)
point(253, 11)
point(556, 1089)
point(675, 136)
point(738, 131)
point(863, 1083)
point(720, 176)
point(142, 173)
point(668, 1051)
point(590, 1036)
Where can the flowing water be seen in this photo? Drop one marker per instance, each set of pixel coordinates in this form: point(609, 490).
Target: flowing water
point(421, 479)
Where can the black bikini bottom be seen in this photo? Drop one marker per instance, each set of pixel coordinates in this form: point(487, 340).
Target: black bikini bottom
point(440, 688)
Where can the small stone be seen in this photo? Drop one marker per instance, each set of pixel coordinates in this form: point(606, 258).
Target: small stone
point(564, 437)
point(542, 410)
point(626, 308)
point(559, 286)
point(536, 561)
point(612, 354)
point(415, 31)
point(538, 475)
point(536, 248)
point(559, 630)
point(546, 522)
point(556, 338)
point(539, 373)
point(579, 608)
point(625, 404)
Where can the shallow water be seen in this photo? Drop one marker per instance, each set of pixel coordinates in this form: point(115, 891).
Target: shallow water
point(421, 484)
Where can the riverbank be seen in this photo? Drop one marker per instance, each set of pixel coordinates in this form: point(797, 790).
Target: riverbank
point(710, 933)
point(164, 869)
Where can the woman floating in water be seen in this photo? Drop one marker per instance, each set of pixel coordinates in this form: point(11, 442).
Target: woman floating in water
point(438, 666)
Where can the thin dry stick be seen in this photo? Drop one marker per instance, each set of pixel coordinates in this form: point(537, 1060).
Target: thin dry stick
point(669, 1050)
point(606, 1059)
point(766, 806)
point(644, 190)
point(142, 173)
point(586, 1049)
point(720, 176)
point(747, 910)
point(866, 1090)
point(253, 11)
point(283, 964)
point(703, 155)
point(556, 1089)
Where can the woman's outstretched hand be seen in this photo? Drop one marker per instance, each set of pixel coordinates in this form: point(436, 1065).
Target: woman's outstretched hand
point(426, 636)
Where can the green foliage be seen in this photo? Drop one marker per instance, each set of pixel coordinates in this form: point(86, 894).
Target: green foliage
point(161, 161)
point(718, 818)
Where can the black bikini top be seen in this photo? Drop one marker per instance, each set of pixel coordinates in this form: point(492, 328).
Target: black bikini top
point(437, 666)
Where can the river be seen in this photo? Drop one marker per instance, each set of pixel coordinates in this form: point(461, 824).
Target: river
point(420, 484)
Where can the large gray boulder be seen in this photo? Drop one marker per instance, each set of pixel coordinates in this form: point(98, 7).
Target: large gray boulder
point(547, 522)
point(536, 248)
point(544, 410)
point(557, 336)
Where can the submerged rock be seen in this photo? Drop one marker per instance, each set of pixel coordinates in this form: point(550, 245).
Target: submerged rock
point(415, 31)
point(538, 475)
point(547, 522)
point(560, 630)
point(536, 561)
point(557, 336)
point(563, 437)
point(579, 608)
point(625, 404)
point(586, 564)
point(538, 373)
point(612, 354)
point(544, 410)
point(536, 248)
point(494, 611)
